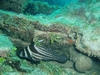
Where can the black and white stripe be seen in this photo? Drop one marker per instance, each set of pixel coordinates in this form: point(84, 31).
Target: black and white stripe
point(38, 53)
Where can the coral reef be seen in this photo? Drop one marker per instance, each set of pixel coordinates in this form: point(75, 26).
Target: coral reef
point(13, 5)
point(87, 39)
point(17, 27)
point(27, 6)
point(5, 45)
point(89, 45)
point(38, 7)
point(72, 32)
point(17, 66)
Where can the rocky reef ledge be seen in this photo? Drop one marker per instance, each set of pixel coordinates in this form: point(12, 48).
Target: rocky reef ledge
point(76, 37)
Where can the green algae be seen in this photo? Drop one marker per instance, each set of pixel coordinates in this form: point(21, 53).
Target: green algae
point(2, 60)
point(50, 68)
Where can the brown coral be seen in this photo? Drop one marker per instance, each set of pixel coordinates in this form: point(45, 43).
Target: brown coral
point(13, 5)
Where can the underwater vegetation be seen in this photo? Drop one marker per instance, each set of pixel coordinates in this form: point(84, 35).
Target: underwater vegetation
point(73, 30)
point(17, 6)
point(54, 38)
point(37, 7)
point(2, 60)
point(50, 68)
point(27, 6)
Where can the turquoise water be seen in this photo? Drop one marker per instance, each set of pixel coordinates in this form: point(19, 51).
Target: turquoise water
point(60, 29)
point(56, 2)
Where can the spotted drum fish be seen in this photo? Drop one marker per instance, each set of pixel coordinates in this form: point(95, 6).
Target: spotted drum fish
point(34, 53)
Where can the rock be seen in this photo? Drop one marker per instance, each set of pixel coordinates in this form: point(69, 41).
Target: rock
point(5, 46)
point(89, 44)
point(13, 5)
point(83, 63)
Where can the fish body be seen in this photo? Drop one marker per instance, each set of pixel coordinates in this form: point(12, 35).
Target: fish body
point(34, 53)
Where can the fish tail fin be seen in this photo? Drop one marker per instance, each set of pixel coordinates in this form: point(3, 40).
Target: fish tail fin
point(62, 58)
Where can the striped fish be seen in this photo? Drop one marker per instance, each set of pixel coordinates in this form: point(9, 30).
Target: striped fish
point(37, 54)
